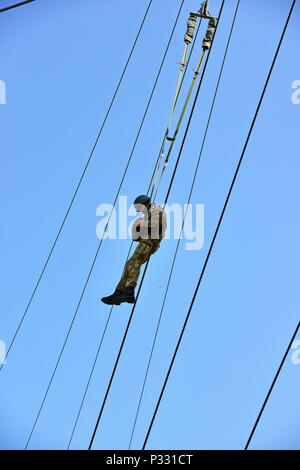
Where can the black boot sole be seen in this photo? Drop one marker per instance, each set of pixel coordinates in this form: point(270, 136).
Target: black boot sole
point(107, 302)
point(130, 301)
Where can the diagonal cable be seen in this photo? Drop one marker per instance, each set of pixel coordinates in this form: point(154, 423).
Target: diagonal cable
point(146, 266)
point(16, 5)
point(77, 187)
point(100, 243)
point(218, 227)
point(179, 239)
point(110, 312)
point(272, 386)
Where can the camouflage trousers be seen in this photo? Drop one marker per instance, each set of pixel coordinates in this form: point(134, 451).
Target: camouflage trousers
point(133, 265)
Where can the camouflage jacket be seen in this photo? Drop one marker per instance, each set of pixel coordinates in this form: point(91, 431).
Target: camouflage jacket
point(155, 225)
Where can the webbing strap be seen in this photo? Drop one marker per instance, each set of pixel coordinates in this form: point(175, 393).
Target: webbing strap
point(211, 28)
point(171, 115)
point(159, 163)
point(206, 43)
point(188, 38)
point(196, 73)
point(191, 24)
point(178, 83)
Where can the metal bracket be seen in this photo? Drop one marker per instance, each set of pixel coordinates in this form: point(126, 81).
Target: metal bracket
point(204, 13)
point(207, 17)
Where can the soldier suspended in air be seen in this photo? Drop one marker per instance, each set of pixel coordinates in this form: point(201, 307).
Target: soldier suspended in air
point(148, 231)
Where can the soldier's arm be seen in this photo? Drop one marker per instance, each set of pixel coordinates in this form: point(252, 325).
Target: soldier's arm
point(156, 217)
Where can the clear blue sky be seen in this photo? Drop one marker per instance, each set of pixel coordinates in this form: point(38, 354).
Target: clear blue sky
point(61, 61)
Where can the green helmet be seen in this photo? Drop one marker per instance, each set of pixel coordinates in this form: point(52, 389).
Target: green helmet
point(142, 199)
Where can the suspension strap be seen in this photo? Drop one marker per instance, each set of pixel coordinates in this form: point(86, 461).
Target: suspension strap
point(188, 38)
point(211, 28)
point(206, 43)
point(191, 25)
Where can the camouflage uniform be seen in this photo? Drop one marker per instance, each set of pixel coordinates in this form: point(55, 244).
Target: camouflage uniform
point(149, 238)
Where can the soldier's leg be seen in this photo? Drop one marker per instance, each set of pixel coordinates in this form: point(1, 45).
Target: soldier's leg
point(122, 283)
point(120, 295)
point(141, 255)
point(125, 289)
point(133, 266)
point(128, 268)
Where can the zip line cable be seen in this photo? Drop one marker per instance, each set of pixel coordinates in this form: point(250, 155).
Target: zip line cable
point(146, 266)
point(110, 312)
point(179, 239)
point(79, 183)
point(272, 386)
point(218, 226)
point(100, 243)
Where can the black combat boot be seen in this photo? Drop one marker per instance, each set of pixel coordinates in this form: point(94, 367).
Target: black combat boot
point(114, 299)
point(128, 295)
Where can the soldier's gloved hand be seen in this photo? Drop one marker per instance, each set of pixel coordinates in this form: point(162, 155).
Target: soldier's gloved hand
point(138, 223)
point(136, 229)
